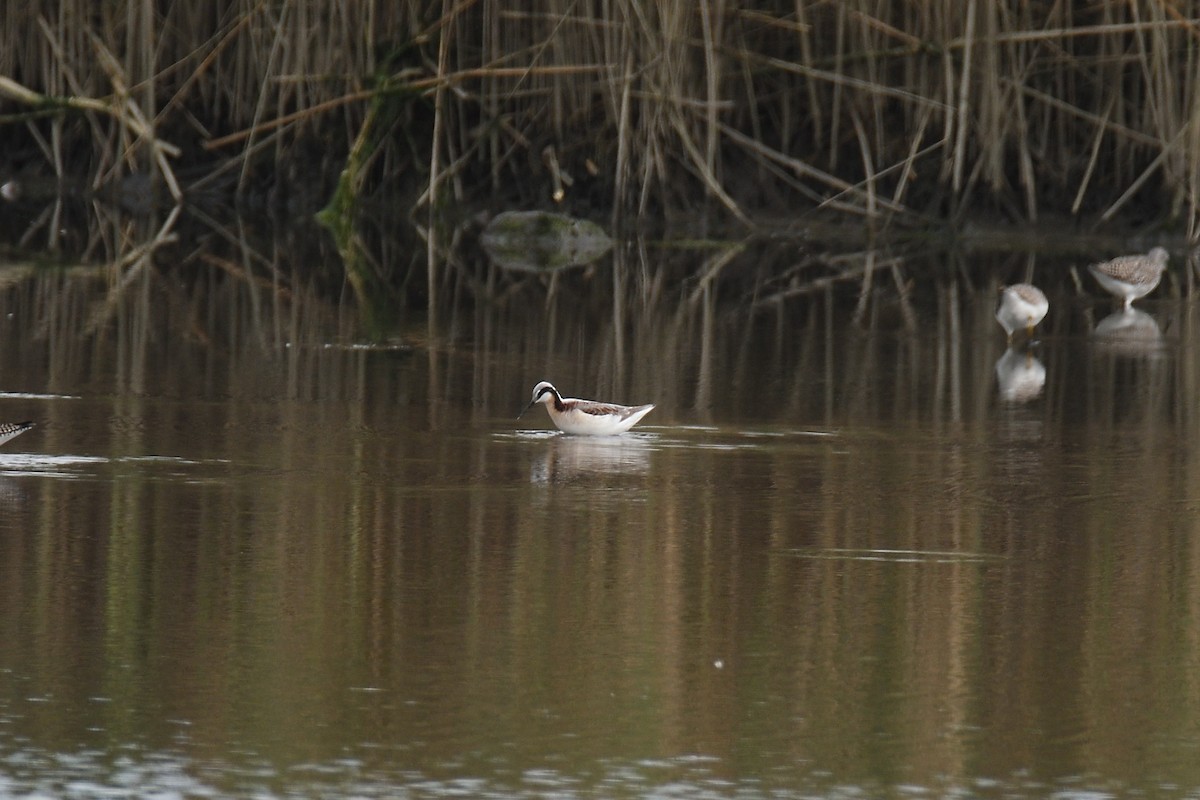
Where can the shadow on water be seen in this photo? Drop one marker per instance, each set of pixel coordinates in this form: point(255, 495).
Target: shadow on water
point(257, 546)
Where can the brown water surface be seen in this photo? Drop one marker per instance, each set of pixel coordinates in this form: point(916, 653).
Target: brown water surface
point(857, 550)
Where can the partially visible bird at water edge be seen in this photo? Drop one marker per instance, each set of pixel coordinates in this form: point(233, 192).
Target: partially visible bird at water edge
point(585, 417)
point(1022, 305)
point(11, 430)
point(1131, 277)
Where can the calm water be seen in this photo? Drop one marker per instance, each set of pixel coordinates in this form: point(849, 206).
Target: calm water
point(252, 551)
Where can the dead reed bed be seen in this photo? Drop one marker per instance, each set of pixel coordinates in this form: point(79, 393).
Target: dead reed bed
point(918, 112)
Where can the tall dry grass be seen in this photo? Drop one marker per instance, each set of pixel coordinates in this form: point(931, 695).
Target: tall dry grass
point(883, 110)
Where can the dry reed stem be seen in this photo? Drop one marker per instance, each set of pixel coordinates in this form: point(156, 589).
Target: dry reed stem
point(1133, 187)
point(843, 81)
point(621, 167)
point(419, 85)
point(850, 268)
point(799, 166)
point(1124, 131)
point(1093, 159)
point(260, 105)
point(287, 119)
point(239, 272)
point(710, 180)
point(868, 167)
point(1082, 31)
point(1025, 165)
point(712, 270)
point(961, 120)
point(711, 85)
point(14, 91)
point(51, 152)
point(864, 290)
point(435, 151)
point(223, 41)
point(909, 163)
point(137, 259)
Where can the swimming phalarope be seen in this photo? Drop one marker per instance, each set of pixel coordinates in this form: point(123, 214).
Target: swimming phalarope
point(1022, 305)
point(586, 417)
point(11, 430)
point(1131, 277)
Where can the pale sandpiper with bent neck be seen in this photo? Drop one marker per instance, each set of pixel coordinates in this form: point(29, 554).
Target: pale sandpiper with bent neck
point(1022, 305)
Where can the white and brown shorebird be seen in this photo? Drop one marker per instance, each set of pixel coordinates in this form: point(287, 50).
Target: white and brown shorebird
point(1022, 305)
point(585, 417)
point(11, 430)
point(1131, 277)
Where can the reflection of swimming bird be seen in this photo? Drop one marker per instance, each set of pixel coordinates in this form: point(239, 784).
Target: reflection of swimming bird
point(1131, 277)
point(1021, 376)
point(568, 458)
point(1022, 305)
point(585, 416)
point(11, 430)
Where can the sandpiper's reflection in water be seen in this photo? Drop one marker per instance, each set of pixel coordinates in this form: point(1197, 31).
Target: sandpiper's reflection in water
point(1021, 375)
point(1129, 332)
point(569, 457)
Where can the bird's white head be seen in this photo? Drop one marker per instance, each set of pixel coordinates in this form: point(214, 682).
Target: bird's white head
point(1159, 256)
point(544, 392)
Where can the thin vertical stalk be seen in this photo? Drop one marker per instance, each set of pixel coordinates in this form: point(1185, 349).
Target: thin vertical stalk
point(435, 150)
point(964, 90)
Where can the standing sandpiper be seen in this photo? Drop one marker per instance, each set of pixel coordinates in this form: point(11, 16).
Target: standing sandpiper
point(1131, 277)
point(1022, 305)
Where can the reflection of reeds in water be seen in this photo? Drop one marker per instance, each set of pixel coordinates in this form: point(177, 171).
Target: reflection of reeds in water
point(865, 107)
point(405, 550)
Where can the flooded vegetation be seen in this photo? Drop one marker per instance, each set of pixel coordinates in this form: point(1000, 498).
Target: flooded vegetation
point(276, 281)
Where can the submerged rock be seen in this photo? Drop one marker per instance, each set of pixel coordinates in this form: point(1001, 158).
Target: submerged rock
point(537, 241)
